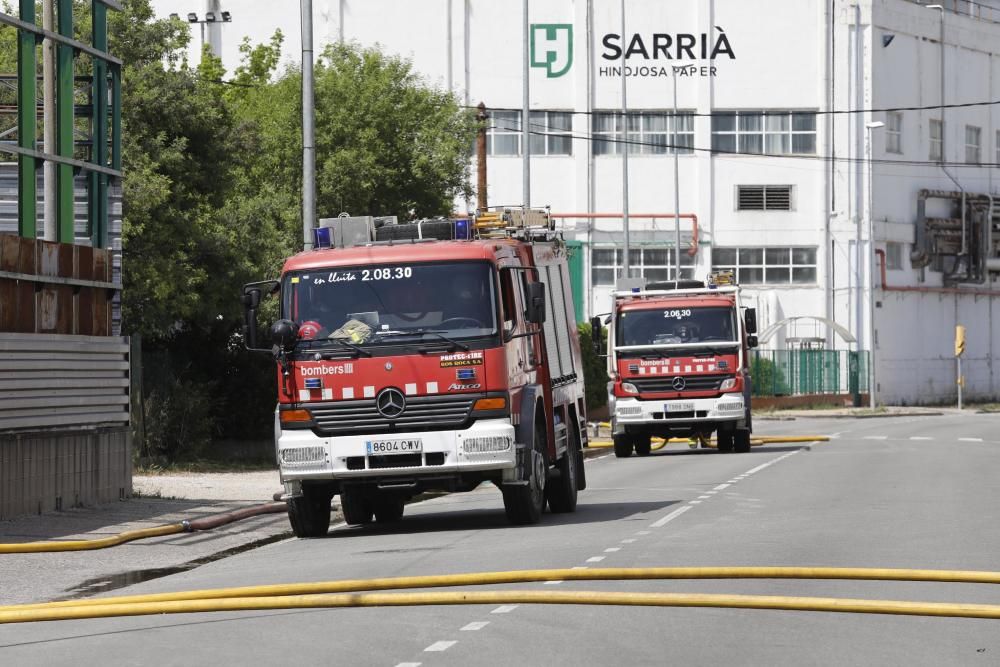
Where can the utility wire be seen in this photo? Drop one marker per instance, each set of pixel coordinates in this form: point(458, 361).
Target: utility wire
point(793, 156)
point(617, 112)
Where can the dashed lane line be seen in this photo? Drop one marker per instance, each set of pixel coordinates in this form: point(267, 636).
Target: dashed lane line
point(440, 646)
point(475, 625)
point(504, 609)
point(595, 559)
point(970, 439)
point(720, 487)
point(611, 550)
point(659, 523)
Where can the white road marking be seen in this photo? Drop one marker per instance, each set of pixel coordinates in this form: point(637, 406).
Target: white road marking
point(595, 559)
point(628, 541)
point(579, 567)
point(504, 609)
point(643, 532)
point(659, 523)
point(694, 502)
point(409, 664)
point(475, 625)
point(771, 462)
point(554, 582)
point(611, 550)
point(440, 646)
point(720, 487)
point(711, 493)
point(876, 437)
point(704, 497)
point(920, 437)
point(970, 439)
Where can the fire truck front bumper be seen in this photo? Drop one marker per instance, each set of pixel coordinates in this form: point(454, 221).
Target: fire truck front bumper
point(487, 445)
point(633, 411)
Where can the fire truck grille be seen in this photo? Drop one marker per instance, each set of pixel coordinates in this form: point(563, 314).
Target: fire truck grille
point(691, 383)
point(422, 413)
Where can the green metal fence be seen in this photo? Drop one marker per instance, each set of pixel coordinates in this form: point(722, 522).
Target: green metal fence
point(798, 372)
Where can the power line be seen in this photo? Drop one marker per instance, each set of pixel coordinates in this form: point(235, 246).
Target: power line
point(711, 114)
point(793, 156)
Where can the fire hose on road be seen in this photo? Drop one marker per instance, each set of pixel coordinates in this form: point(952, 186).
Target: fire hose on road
point(711, 442)
point(347, 593)
point(207, 523)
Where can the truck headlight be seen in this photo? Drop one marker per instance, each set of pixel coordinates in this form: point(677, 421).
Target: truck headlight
point(728, 383)
point(629, 388)
point(484, 444)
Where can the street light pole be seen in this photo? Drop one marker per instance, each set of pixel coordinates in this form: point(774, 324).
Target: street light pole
point(872, 384)
point(677, 191)
point(308, 128)
point(626, 260)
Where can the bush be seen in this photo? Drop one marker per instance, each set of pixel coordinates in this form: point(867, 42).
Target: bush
point(595, 372)
point(767, 378)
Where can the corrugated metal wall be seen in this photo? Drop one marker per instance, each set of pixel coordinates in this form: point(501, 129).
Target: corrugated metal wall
point(64, 422)
point(8, 220)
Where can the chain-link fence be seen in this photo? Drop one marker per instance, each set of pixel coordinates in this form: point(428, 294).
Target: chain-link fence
point(798, 372)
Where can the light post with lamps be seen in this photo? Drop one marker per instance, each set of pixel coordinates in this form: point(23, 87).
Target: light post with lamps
point(211, 18)
point(872, 385)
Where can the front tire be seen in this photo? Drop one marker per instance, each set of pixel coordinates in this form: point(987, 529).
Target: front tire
point(562, 494)
point(643, 444)
point(309, 514)
point(724, 440)
point(356, 507)
point(623, 445)
point(741, 443)
point(524, 503)
point(388, 510)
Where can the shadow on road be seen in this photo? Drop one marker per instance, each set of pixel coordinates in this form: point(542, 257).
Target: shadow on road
point(446, 520)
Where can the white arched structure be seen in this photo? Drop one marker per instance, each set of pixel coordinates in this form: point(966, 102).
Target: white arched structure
point(841, 331)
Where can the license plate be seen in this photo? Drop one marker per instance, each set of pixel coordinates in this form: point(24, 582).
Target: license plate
point(383, 447)
point(679, 407)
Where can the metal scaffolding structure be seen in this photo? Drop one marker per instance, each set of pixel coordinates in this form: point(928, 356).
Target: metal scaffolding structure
point(104, 160)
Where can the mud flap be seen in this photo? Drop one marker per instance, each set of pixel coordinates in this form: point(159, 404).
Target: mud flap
point(522, 465)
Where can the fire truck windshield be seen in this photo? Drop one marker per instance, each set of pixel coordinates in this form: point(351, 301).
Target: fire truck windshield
point(390, 304)
point(676, 326)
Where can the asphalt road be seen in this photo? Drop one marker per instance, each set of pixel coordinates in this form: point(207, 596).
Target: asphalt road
point(902, 492)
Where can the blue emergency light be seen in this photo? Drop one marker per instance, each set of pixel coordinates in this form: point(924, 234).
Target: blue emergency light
point(321, 237)
point(462, 229)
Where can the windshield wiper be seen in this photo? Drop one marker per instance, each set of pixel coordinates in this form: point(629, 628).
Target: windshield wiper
point(351, 346)
point(420, 332)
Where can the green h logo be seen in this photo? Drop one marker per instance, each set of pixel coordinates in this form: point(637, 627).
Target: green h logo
point(552, 47)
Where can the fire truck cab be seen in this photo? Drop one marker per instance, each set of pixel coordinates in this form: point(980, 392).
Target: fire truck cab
point(433, 355)
point(678, 357)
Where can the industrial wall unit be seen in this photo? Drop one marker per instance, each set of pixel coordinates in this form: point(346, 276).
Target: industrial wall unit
point(64, 372)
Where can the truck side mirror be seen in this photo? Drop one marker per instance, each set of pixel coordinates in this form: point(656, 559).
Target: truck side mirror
point(596, 334)
point(535, 312)
point(285, 333)
point(752, 341)
point(750, 317)
point(251, 300)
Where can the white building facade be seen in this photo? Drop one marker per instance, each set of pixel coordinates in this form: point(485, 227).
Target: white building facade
point(772, 157)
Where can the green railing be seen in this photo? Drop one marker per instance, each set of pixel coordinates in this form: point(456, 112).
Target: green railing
point(799, 372)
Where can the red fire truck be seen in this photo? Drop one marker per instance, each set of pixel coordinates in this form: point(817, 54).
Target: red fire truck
point(433, 355)
point(678, 356)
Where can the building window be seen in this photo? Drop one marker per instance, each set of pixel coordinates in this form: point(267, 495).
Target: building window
point(763, 198)
point(652, 263)
point(894, 132)
point(937, 139)
point(973, 153)
point(767, 132)
point(767, 266)
point(646, 134)
point(503, 136)
point(550, 133)
point(893, 256)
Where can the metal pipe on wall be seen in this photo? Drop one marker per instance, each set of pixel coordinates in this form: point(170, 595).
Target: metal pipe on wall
point(626, 263)
point(50, 192)
point(525, 110)
point(677, 191)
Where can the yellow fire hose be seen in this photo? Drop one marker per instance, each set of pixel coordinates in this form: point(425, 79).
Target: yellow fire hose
point(344, 593)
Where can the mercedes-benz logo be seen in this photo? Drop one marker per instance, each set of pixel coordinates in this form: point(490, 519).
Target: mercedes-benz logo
point(678, 384)
point(390, 403)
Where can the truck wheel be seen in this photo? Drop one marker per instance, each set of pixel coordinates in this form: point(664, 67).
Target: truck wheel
point(309, 514)
point(725, 440)
point(741, 442)
point(388, 509)
point(355, 506)
point(623, 445)
point(562, 494)
point(524, 503)
point(643, 444)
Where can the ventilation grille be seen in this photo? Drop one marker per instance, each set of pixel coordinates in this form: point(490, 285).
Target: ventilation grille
point(764, 198)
